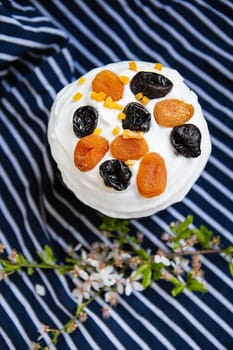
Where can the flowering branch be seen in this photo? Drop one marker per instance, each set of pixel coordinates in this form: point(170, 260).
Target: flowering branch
point(126, 266)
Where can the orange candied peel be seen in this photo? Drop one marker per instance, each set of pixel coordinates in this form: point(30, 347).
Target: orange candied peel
point(128, 149)
point(158, 66)
point(108, 82)
point(89, 151)
point(124, 79)
point(97, 131)
point(121, 116)
point(140, 97)
point(109, 103)
point(152, 175)
point(172, 112)
point(98, 96)
point(77, 96)
point(81, 80)
point(116, 130)
point(132, 65)
point(131, 134)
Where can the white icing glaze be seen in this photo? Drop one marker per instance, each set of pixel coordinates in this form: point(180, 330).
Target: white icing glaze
point(89, 186)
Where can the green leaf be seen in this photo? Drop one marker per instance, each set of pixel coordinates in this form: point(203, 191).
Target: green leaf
point(183, 235)
point(177, 290)
point(114, 225)
point(146, 279)
point(30, 271)
point(231, 267)
point(20, 259)
point(229, 251)
point(140, 270)
point(157, 271)
point(143, 254)
point(47, 255)
point(196, 286)
point(176, 281)
point(181, 227)
point(203, 235)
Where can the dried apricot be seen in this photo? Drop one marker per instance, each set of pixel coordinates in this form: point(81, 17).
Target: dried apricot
point(152, 175)
point(172, 112)
point(108, 82)
point(89, 151)
point(128, 148)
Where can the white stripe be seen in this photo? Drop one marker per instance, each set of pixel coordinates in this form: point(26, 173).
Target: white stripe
point(216, 12)
point(27, 307)
point(88, 337)
point(207, 22)
point(15, 320)
point(45, 83)
point(27, 109)
point(192, 30)
point(69, 59)
point(166, 228)
point(218, 124)
point(112, 338)
point(175, 54)
point(222, 146)
point(86, 31)
point(209, 312)
point(213, 202)
point(225, 278)
point(219, 296)
point(121, 323)
point(221, 166)
point(165, 319)
point(129, 32)
point(23, 8)
point(77, 44)
point(57, 70)
point(38, 29)
point(219, 186)
point(28, 43)
point(7, 57)
point(207, 218)
point(31, 19)
point(43, 277)
point(212, 101)
point(195, 323)
point(46, 307)
point(31, 133)
point(7, 339)
point(216, 64)
point(147, 325)
point(66, 225)
point(107, 30)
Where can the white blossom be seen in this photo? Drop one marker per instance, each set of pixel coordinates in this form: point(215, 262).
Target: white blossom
point(161, 259)
point(80, 293)
point(105, 276)
point(132, 283)
point(40, 290)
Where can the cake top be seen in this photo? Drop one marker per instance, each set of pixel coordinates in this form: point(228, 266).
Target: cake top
point(129, 138)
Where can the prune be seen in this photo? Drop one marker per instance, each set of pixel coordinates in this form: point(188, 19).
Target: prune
point(115, 174)
point(85, 120)
point(186, 139)
point(138, 118)
point(151, 84)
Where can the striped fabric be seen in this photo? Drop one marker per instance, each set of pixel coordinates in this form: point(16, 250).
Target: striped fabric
point(43, 46)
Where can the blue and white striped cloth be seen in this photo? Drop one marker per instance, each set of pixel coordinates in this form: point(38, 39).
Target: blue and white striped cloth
point(43, 46)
